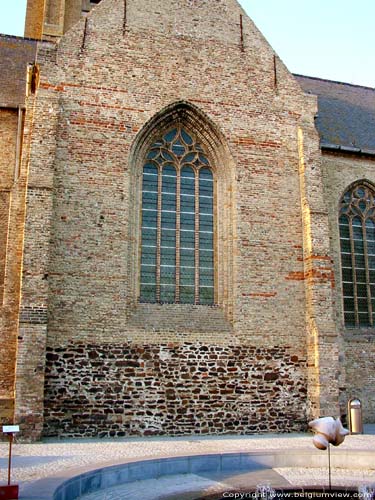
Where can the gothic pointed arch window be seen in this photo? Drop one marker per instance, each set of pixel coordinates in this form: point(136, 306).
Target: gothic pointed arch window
point(357, 242)
point(177, 222)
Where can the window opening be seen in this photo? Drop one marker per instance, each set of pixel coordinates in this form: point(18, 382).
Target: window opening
point(177, 245)
point(357, 242)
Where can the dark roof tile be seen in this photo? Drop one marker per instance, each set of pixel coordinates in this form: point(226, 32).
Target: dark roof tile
point(346, 113)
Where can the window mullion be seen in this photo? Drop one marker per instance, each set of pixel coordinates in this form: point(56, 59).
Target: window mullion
point(196, 237)
point(365, 251)
point(158, 236)
point(354, 276)
point(178, 234)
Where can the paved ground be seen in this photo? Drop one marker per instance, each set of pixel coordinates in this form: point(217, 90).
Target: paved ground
point(191, 486)
point(182, 487)
point(40, 460)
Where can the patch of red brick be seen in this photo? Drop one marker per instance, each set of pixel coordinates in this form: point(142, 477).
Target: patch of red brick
point(248, 141)
point(57, 88)
point(99, 105)
point(260, 294)
point(296, 276)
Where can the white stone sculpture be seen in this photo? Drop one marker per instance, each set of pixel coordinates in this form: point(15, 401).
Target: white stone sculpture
point(327, 431)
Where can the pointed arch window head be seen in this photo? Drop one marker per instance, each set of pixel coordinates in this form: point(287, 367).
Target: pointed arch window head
point(177, 237)
point(357, 241)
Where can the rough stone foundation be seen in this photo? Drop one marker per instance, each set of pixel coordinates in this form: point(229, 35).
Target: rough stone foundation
point(125, 389)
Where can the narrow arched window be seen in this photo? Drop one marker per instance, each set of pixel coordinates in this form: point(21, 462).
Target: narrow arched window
point(177, 240)
point(357, 240)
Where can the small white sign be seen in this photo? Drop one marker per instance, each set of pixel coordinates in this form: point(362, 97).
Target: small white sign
point(7, 429)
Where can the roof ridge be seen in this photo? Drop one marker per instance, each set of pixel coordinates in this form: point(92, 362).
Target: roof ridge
point(334, 81)
point(16, 37)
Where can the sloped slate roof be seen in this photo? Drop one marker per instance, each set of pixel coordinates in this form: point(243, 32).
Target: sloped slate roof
point(15, 54)
point(346, 114)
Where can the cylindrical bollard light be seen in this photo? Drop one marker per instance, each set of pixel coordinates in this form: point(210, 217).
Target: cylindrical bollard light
point(355, 416)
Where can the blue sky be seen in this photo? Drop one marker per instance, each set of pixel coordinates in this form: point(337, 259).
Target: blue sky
point(331, 39)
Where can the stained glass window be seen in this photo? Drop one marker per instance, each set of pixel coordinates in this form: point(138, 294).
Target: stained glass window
point(357, 241)
point(177, 256)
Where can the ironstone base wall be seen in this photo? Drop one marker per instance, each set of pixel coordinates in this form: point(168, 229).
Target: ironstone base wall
point(174, 389)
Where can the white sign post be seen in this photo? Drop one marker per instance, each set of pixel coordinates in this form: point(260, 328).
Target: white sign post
point(10, 491)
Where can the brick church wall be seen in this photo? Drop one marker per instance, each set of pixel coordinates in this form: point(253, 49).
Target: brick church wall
point(8, 135)
point(15, 54)
point(357, 348)
point(100, 89)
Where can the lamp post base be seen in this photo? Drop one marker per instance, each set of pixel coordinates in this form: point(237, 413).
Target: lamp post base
point(9, 492)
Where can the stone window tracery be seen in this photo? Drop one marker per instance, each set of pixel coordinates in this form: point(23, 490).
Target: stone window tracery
point(357, 242)
point(177, 236)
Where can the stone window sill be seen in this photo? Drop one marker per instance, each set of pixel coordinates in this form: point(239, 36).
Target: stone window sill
point(359, 334)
